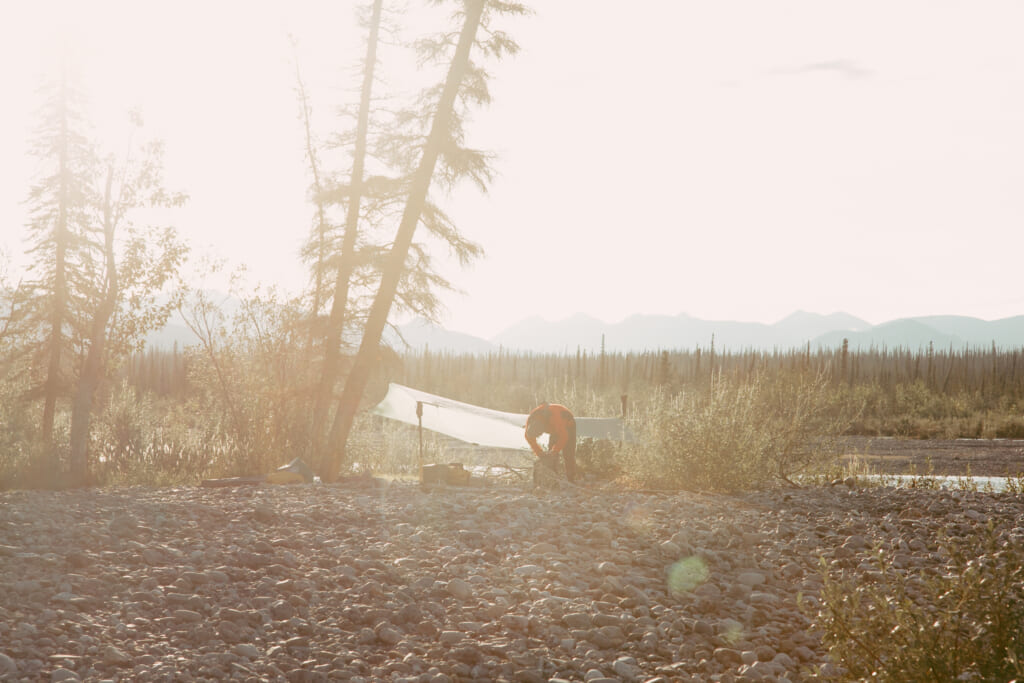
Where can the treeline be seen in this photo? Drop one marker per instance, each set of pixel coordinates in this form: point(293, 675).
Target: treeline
point(992, 373)
point(159, 372)
point(905, 383)
point(920, 393)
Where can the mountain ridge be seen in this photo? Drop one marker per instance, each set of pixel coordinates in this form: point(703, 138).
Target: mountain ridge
point(647, 332)
point(641, 332)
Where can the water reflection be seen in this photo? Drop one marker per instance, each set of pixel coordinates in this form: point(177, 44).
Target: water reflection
point(935, 481)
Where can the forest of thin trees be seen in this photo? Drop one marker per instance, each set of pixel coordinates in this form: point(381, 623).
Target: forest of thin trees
point(995, 374)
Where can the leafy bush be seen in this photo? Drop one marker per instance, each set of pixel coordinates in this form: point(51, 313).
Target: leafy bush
point(963, 623)
point(250, 381)
point(121, 431)
point(137, 440)
point(741, 435)
point(703, 441)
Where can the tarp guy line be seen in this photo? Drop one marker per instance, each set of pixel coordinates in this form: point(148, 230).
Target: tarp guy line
point(481, 426)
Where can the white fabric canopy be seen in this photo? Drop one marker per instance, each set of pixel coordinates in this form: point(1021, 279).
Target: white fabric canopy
point(481, 426)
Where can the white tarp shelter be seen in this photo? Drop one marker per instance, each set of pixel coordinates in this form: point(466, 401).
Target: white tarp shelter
point(481, 426)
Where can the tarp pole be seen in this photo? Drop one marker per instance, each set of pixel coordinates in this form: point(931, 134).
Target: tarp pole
point(419, 419)
point(622, 435)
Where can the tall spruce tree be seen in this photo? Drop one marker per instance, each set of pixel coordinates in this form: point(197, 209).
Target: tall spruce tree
point(317, 247)
point(58, 213)
point(345, 257)
point(349, 249)
point(436, 142)
point(92, 292)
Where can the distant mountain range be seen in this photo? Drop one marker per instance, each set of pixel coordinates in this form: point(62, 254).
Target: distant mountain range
point(658, 332)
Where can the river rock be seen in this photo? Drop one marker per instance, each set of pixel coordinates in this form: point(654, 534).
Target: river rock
point(341, 582)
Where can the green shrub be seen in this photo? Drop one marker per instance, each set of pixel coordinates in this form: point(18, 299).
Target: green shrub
point(964, 622)
point(703, 441)
point(139, 440)
point(740, 435)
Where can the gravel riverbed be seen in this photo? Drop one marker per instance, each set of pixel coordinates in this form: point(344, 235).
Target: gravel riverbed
point(377, 582)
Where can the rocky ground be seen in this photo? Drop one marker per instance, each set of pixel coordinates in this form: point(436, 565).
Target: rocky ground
point(396, 583)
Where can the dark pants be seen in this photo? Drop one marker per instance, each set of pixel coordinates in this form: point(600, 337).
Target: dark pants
point(569, 454)
point(550, 460)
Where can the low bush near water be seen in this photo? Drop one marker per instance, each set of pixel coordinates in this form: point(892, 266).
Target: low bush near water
point(740, 435)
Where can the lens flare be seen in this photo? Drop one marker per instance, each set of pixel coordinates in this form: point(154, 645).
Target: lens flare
point(733, 632)
point(687, 574)
point(640, 519)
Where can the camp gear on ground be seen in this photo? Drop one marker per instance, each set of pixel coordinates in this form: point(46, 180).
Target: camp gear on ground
point(451, 473)
point(295, 472)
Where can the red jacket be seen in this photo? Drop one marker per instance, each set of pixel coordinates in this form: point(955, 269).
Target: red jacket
point(553, 419)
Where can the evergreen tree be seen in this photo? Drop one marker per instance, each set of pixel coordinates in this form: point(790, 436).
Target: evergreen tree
point(92, 296)
point(345, 257)
point(350, 249)
point(434, 142)
point(58, 204)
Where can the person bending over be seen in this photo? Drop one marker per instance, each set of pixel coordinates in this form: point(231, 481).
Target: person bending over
point(558, 422)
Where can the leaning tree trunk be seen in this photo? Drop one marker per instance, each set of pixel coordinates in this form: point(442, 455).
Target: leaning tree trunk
point(92, 368)
point(336, 322)
point(394, 264)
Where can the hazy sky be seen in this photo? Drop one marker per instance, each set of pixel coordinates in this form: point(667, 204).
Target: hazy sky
point(727, 159)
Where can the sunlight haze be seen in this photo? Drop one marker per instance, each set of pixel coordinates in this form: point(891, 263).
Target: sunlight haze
point(730, 160)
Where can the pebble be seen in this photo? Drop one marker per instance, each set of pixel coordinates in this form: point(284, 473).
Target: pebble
point(246, 650)
point(116, 657)
point(324, 582)
point(460, 589)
